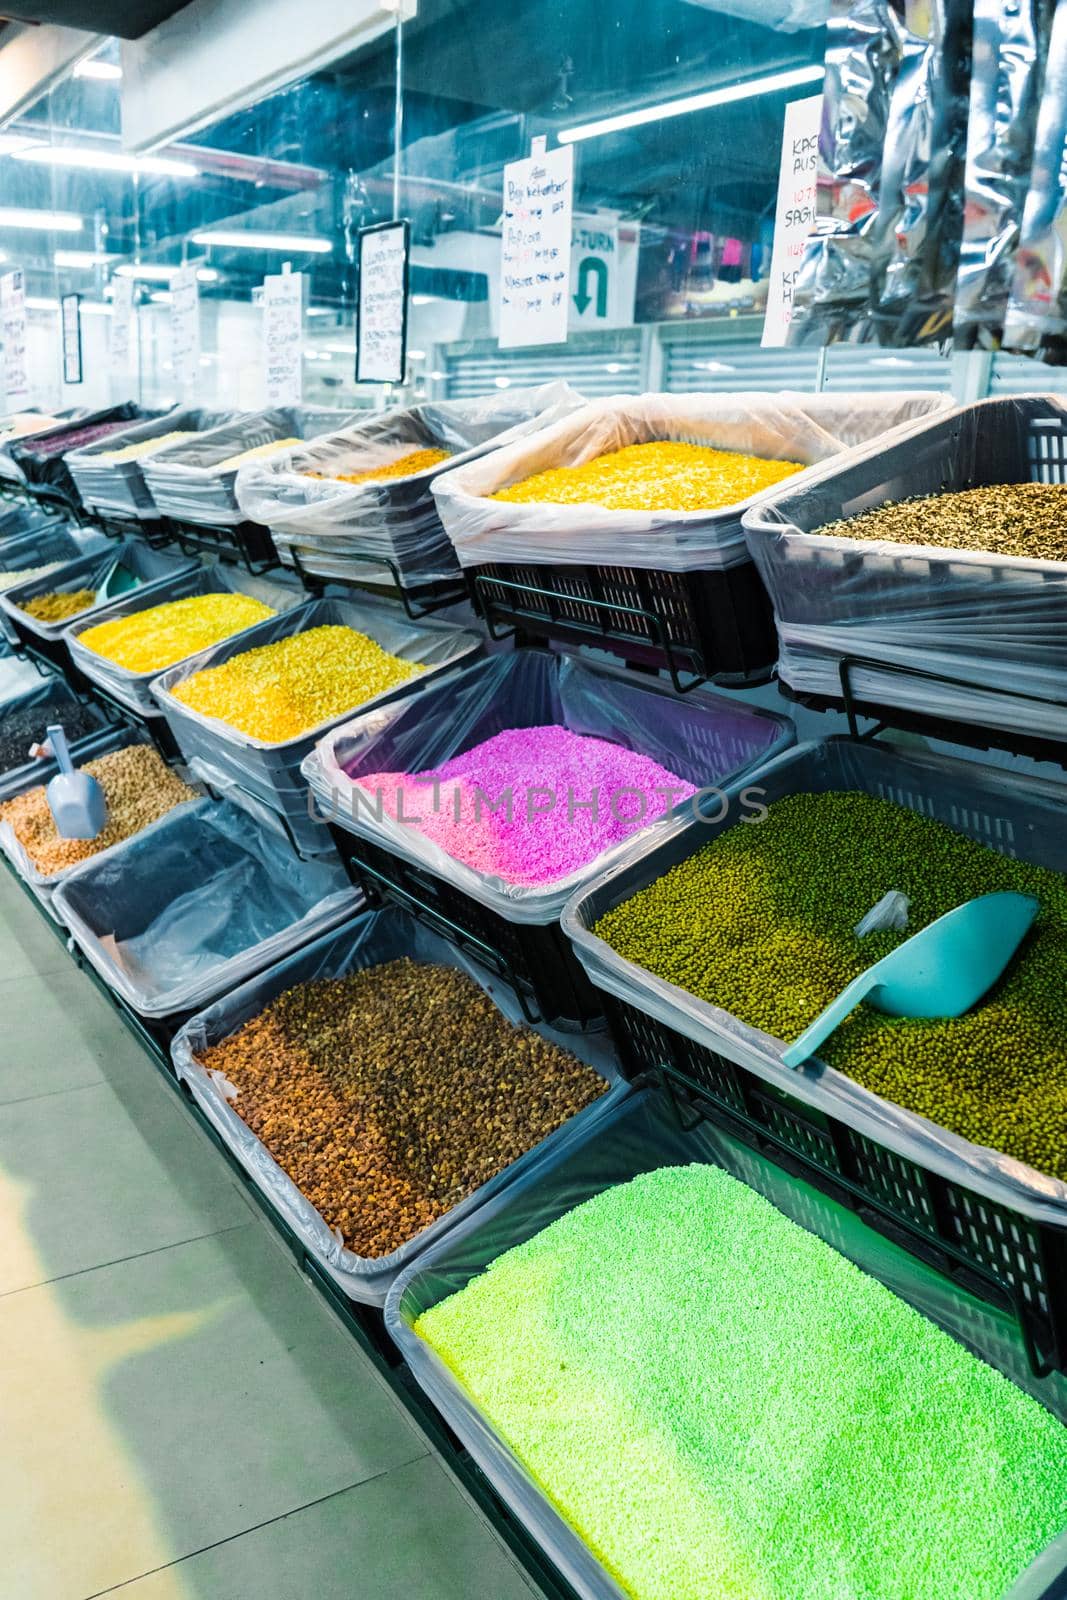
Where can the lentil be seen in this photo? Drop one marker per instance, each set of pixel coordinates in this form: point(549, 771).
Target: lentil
point(665, 475)
point(280, 690)
point(1008, 519)
point(722, 1405)
point(571, 797)
point(390, 1095)
point(149, 640)
point(20, 729)
point(405, 467)
point(760, 923)
point(58, 604)
point(139, 788)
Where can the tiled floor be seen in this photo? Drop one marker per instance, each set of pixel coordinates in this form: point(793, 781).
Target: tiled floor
point(180, 1416)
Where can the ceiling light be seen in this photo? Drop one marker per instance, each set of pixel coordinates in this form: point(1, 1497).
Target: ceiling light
point(154, 272)
point(37, 302)
point(90, 160)
point(613, 366)
point(10, 143)
point(309, 244)
point(320, 311)
point(438, 377)
point(502, 383)
point(207, 275)
point(162, 297)
point(746, 90)
point(416, 355)
point(105, 71)
point(714, 366)
point(80, 258)
point(424, 299)
point(45, 221)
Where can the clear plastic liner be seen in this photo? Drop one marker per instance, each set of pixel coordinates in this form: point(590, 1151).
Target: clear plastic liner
point(192, 482)
point(150, 568)
point(810, 428)
point(642, 1134)
point(17, 677)
point(56, 693)
point(36, 547)
point(995, 807)
point(1010, 47)
point(168, 948)
point(118, 487)
point(703, 740)
point(132, 689)
point(998, 623)
point(370, 941)
point(324, 521)
point(1037, 312)
point(41, 458)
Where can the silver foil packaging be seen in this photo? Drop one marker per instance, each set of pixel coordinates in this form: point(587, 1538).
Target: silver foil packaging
point(1036, 322)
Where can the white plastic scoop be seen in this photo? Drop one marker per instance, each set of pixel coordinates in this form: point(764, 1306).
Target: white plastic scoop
point(75, 799)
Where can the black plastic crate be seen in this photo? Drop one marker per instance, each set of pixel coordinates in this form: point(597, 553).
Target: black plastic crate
point(698, 626)
point(536, 960)
point(988, 1246)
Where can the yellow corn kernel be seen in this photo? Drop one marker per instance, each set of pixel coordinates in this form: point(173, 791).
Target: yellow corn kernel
point(281, 690)
point(666, 475)
point(404, 467)
point(148, 641)
point(257, 453)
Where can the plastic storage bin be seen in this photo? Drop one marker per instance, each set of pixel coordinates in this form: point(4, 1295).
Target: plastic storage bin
point(386, 533)
point(516, 928)
point(371, 940)
point(41, 458)
point(56, 693)
point(643, 1133)
point(670, 589)
point(195, 904)
point(995, 1213)
point(118, 489)
point(131, 689)
point(961, 636)
point(151, 568)
point(271, 771)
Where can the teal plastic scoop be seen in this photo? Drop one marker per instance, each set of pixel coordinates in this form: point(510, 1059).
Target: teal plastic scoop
point(117, 580)
point(941, 971)
point(75, 798)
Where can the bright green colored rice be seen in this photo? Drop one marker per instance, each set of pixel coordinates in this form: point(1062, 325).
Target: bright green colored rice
point(725, 1408)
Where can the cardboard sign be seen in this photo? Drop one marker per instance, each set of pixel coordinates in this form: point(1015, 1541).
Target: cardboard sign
point(382, 328)
point(795, 215)
point(71, 309)
point(535, 249)
point(283, 338)
point(13, 332)
point(185, 329)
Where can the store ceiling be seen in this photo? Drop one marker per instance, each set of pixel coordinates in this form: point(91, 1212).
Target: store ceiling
point(127, 19)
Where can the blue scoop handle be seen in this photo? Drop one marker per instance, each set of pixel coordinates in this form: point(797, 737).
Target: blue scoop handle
point(57, 741)
point(834, 1015)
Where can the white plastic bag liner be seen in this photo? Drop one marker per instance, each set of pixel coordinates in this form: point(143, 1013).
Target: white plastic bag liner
point(778, 427)
point(195, 904)
point(370, 941)
point(395, 519)
point(115, 738)
point(641, 1135)
point(118, 487)
point(1020, 815)
point(150, 568)
point(132, 689)
point(59, 698)
point(702, 739)
point(999, 623)
point(17, 677)
point(191, 482)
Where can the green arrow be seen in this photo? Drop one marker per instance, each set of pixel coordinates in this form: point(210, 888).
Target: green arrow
point(582, 299)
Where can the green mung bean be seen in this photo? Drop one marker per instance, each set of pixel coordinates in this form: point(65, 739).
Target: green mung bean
point(1008, 519)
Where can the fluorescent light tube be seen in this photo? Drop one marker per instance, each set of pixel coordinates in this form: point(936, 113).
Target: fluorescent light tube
point(248, 239)
point(90, 160)
point(80, 258)
point(104, 71)
point(153, 272)
point(45, 221)
point(746, 90)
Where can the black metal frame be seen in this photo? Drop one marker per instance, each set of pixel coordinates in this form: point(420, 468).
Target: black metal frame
point(441, 592)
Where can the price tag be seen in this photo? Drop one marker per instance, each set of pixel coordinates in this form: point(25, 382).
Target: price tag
point(382, 329)
point(185, 329)
point(13, 332)
point(71, 308)
point(535, 248)
point(283, 338)
point(795, 215)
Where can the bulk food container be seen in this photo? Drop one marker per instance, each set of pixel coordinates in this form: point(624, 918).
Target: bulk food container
point(960, 635)
point(194, 481)
point(193, 905)
point(118, 488)
point(515, 927)
point(371, 940)
point(126, 567)
point(995, 1214)
point(271, 770)
point(41, 458)
point(49, 700)
point(386, 532)
point(642, 1134)
point(672, 589)
point(131, 689)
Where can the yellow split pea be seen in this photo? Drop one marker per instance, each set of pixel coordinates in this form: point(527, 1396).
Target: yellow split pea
point(148, 641)
point(665, 475)
point(281, 690)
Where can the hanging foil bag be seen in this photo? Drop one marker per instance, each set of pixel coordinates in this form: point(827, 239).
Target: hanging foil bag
point(1036, 322)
